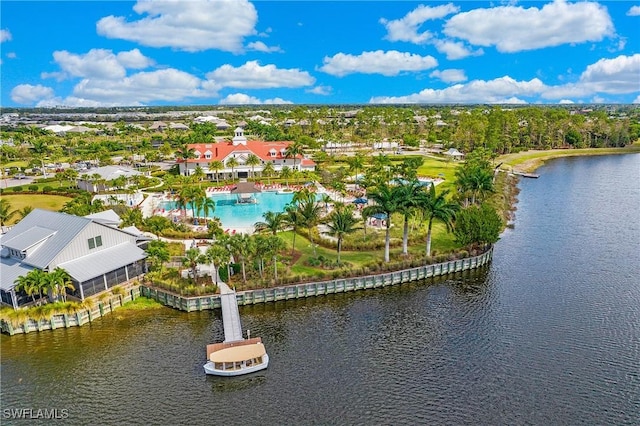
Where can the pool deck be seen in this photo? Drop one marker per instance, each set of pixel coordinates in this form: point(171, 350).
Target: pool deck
point(151, 204)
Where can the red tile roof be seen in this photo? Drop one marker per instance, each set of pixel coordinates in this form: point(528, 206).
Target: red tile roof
point(262, 149)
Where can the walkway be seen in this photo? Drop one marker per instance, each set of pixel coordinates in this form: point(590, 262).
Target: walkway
point(230, 314)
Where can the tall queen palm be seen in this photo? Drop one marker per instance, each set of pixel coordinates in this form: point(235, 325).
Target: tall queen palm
point(407, 194)
point(386, 203)
point(436, 207)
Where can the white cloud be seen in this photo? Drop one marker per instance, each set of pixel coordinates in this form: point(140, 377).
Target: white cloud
point(406, 28)
point(133, 59)
point(611, 76)
point(11, 55)
point(450, 75)
point(97, 63)
point(277, 101)
point(617, 75)
point(73, 101)
point(513, 29)
point(636, 100)
point(634, 11)
point(27, 94)
point(566, 102)
point(142, 88)
point(500, 90)
point(5, 35)
point(252, 75)
point(244, 99)
point(261, 47)
point(378, 62)
point(192, 26)
point(605, 77)
point(320, 90)
point(455, 49)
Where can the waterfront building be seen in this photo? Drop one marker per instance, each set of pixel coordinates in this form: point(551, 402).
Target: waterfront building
point(240, 149)
point(96, 254)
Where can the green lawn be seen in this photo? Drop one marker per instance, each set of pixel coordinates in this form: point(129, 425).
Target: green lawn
point(37, 201)
point(528, 161)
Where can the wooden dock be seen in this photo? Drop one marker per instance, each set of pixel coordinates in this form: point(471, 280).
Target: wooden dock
point(527, 175)
point(230, 314)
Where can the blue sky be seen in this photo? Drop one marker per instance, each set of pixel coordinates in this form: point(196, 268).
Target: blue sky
point(218, 52)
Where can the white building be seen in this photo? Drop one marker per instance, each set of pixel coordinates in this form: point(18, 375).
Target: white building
point(95, 255)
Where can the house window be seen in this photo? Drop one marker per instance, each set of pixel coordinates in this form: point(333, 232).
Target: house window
point(95, 242)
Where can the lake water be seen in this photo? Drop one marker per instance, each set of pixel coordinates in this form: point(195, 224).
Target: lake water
point(548, 334)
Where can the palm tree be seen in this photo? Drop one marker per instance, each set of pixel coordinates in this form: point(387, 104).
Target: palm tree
point(157, 224)
point(27, 284)
point(41, 282)
point(341, 223)
point(285, 173)
point(261, 247)
point(385, 203)
point(436, 206)
point(474, 183)
point(61, 282)
point(185, 152)
point(158, 252)
point(356, 163)
point(309, 211)
point(198, 174)
point(407, 194)
point(24, 212)
point(132, 217)
point(6, 214)
point(242, 246)
point(268, 171)
point(191, 259)
point(232, 163)
point(216, 255)
point(293, 151)
point(273, 222)
point(382, 164)
point(274, 245)
point(215, 166)
point(193, 196)
point(253, 160)
point(208, 206)
point(294, 219)
point(326, 199)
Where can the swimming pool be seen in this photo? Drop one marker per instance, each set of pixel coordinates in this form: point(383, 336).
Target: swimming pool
point(234, 215)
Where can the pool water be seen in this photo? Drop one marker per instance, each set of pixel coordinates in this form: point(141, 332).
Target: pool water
point(233, 215)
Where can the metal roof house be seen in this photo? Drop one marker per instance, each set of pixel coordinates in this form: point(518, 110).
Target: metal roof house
point(96, 256)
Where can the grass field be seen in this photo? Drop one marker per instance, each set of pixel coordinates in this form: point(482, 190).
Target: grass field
point(37, 201)
point(528, 161)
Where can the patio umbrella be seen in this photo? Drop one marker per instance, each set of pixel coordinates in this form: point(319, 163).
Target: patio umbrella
point(379, 216)
point(360, 200)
